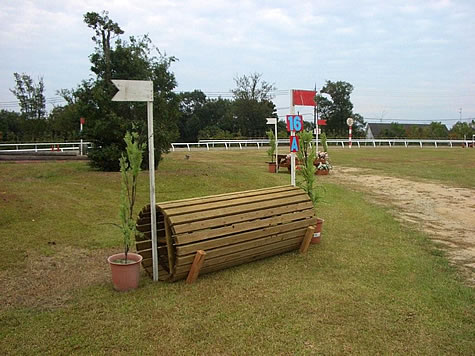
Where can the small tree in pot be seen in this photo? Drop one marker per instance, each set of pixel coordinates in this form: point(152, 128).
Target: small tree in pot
point(271, 151)
point(307, 155)
point(125, 266)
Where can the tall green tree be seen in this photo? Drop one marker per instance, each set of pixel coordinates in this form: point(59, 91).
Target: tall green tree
point(253, 104)
point(30, 96)
point(104, 31)
point(107, 122)
point(337, 110)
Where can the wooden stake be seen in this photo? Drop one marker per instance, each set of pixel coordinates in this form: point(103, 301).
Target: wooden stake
point(306, 240)
point(196, 266)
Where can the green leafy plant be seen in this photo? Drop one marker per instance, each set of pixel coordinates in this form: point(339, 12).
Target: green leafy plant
point(129, 171)
point(271, 150)
point(323, 139)
point(306, 156)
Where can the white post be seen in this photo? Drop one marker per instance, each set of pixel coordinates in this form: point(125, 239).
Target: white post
point(292, 133)
point(151, 169)
point(80, 130)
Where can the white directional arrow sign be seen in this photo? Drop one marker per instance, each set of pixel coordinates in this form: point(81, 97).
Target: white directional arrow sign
point(271, 121)
point(133, 90)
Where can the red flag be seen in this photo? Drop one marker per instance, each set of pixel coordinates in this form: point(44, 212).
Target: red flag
point(303, 97)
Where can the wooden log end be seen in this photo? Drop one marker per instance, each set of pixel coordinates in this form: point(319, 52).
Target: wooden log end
point(306, 240)
point(196, 266)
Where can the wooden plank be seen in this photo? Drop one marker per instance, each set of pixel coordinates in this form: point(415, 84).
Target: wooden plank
point(171, 252)
point(147, 226)
point(227, 215)
point(231, 202)
point(224, 197)
point(230, 249)
point(239, 255)
point(236, 238)
point(306, 241)
point(196, 266)
point(216, 198)
point(241, 227)
point(227, 264)
point(146, 245)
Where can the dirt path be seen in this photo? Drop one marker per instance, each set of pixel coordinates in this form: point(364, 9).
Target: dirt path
point(446, 213)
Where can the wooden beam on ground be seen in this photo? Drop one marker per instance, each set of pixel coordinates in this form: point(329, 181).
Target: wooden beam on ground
point(306, 240)
point(196, 266)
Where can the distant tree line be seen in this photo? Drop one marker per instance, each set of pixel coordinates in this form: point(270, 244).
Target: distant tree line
point(435, 130)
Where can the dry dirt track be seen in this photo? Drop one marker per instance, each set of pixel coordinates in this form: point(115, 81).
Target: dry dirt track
point(446, 214)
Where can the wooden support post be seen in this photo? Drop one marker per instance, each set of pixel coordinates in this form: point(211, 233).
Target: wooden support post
point(196, 266)
point(306, 240)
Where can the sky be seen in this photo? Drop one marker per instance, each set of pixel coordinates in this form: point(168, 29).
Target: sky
point(408, 61)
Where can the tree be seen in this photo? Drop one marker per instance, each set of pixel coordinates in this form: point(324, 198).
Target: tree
point(337, 110)
point(10, 129)
point(437, 130)
point(252, 87)
point(395, 130)
point(105, 29)
point(107, 121)
point(462, 130)
point(30, 96)
point(252, 104)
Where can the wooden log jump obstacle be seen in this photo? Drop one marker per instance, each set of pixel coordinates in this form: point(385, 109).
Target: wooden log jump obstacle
point(224, 230)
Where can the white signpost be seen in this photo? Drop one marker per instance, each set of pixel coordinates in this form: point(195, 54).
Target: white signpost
point(273, 121)
point(142, 90)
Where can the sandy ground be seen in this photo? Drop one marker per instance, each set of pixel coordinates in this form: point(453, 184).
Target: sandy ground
point(446, 214)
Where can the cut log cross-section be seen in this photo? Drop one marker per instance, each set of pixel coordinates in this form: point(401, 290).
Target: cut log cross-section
point(232, 229)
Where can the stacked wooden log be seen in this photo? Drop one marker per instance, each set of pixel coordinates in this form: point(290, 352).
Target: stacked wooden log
point(232, 229)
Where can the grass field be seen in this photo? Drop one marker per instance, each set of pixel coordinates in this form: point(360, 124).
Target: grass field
point(372, 286)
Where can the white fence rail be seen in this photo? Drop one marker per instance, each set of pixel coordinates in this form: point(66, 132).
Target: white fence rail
point(242, 144)
point(258, 143)
point(44, 146)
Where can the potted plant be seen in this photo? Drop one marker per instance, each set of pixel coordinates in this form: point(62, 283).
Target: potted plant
point(322, 163)
point(271, 152)
point(307, 156)
point(125, 266)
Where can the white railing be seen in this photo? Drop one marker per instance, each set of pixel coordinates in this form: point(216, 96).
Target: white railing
point(242, 144)
point(258, 143)
point(43, 146)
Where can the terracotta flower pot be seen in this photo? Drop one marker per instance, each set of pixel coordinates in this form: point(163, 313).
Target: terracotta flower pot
point(125, 276)
point(317, 235)
point(272, 167)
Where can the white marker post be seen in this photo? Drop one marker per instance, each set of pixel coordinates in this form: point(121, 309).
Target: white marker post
point(81, 122)
point(142, 90)
point(270, 121)
point(349, 122)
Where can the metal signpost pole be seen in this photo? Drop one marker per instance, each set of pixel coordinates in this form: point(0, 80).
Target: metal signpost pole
point(292, 133)
point(151, 169)
point(142, 90)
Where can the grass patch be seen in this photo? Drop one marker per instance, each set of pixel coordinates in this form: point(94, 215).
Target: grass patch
point(452, 166)
point(371, 287)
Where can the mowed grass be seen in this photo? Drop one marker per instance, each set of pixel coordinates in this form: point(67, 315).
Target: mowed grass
point(371, 287)
point(452, 166)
